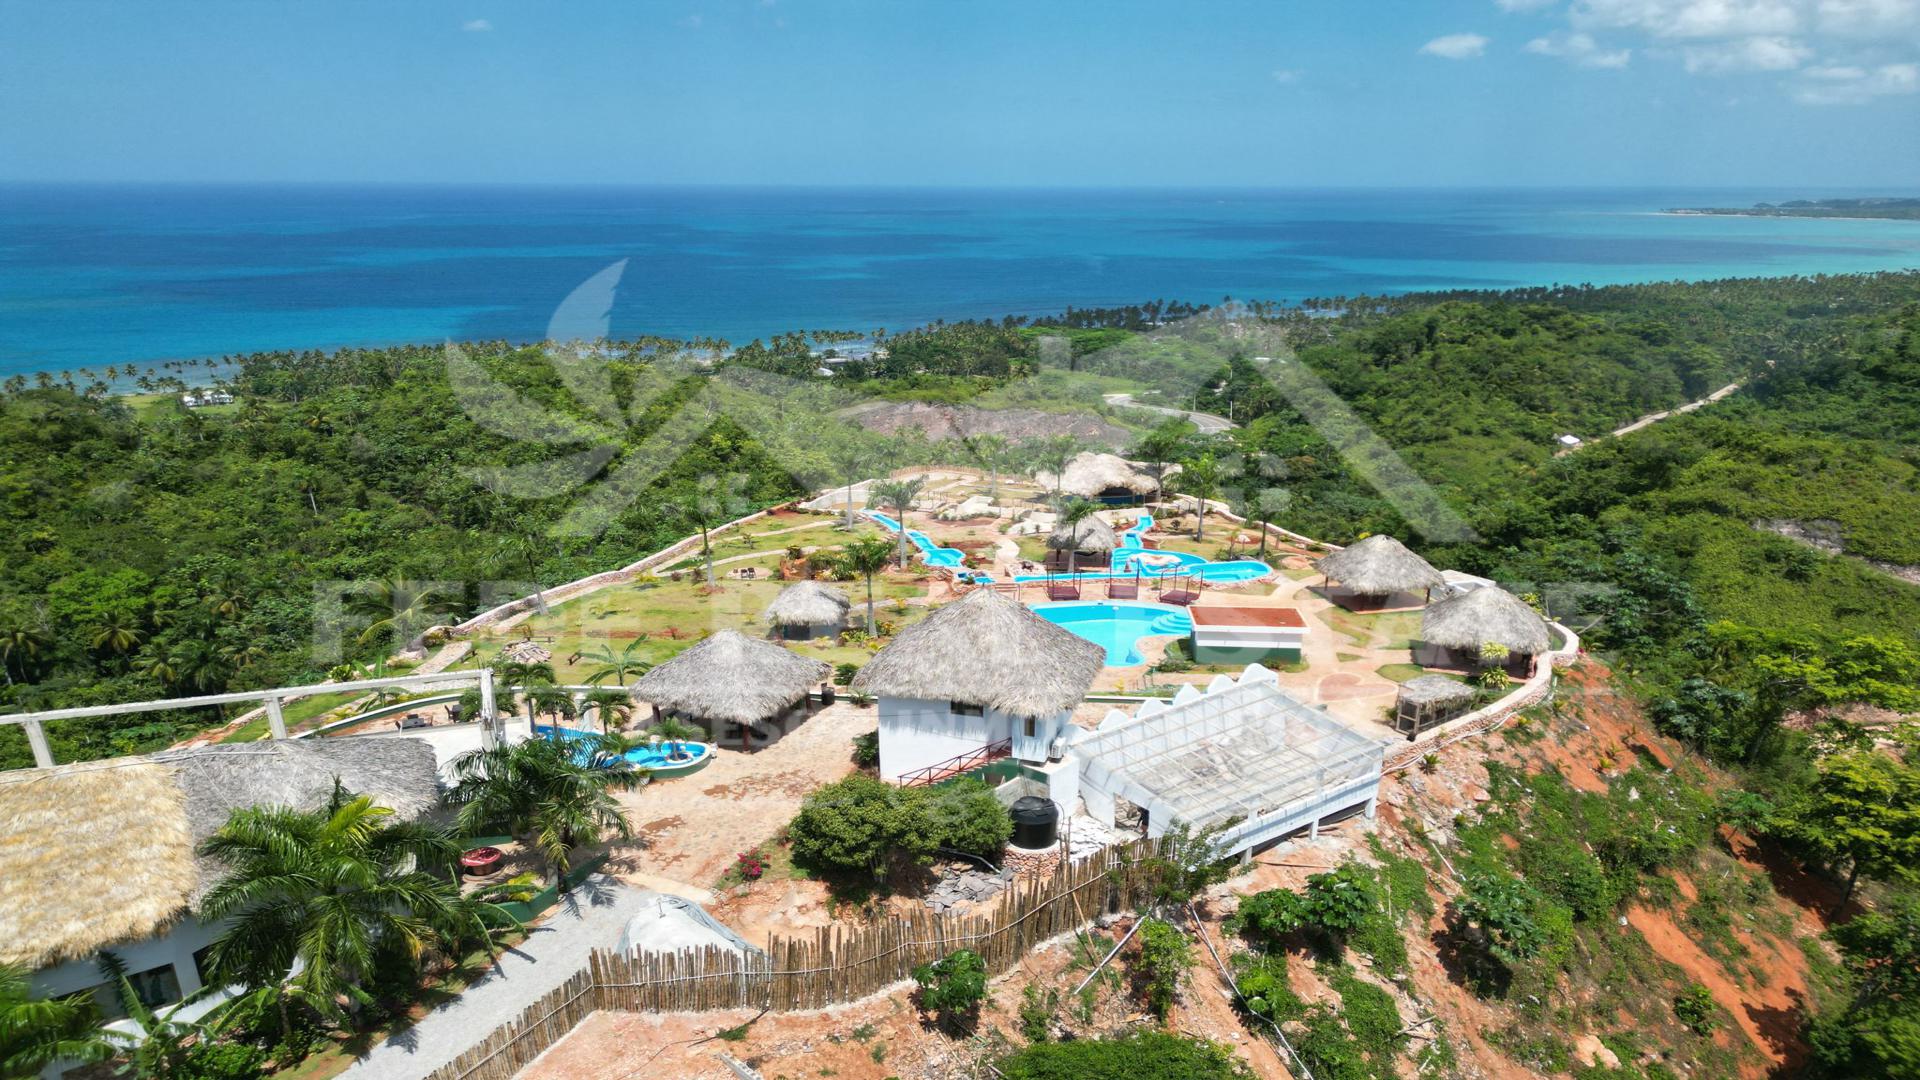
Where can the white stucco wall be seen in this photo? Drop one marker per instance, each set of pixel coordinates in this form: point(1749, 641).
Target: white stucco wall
point(915, 734)
point(175, 948)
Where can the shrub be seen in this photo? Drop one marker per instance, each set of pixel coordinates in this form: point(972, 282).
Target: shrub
point(861, 825)
point(843, 673)
point(1696, 1008)
point(954, 987)
point(968, 818)
point(1036, 1013)
point(866, 750)
point(1165, 958)
point(1142, 1055)
point(1501, 909)
point(1261, 981)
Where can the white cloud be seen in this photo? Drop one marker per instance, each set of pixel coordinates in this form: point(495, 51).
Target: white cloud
point(1286, 75)
point(1524, 5)
point(476, 26)
point(1849, 84)
point(1868, 18)
point(1580, 49)
point(1691, 19)
point(1746, 54)
point(1456, 46)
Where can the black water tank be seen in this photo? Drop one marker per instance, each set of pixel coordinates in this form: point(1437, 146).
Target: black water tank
point(1036, 823)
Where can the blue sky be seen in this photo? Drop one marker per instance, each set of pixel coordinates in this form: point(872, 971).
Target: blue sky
point(1274, 93)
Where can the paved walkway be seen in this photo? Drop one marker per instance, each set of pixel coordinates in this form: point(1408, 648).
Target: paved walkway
point(550, 955)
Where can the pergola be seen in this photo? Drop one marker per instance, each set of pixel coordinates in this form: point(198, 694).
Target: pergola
point(1244, 753)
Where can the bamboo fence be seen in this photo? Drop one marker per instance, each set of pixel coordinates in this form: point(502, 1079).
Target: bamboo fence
point(832, 966)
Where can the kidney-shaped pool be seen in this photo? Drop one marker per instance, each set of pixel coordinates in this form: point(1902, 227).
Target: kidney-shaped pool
point(1117, 627)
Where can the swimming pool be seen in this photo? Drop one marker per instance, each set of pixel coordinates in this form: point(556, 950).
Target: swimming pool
point(1117, 628)
point(655, 757)
point(931, 553)
point(1128, 560)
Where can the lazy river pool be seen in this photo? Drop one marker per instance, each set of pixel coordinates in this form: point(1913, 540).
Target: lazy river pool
point(1117, 627)
point(659, 757)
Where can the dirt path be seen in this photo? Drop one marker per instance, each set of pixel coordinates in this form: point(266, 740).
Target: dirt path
point(1653, 418)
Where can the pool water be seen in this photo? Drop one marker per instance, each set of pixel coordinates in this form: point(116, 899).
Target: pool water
point(646, 757)
point(931, 553)
point(1117, 628)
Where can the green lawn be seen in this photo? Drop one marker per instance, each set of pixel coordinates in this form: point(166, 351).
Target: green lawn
point(1401, 672)
point(1392, 630)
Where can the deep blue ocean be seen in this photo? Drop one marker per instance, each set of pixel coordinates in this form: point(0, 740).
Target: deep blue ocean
point(97, 275)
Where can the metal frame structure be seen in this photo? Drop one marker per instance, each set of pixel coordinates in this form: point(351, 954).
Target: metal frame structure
point(1244, 753)
point(32, 722)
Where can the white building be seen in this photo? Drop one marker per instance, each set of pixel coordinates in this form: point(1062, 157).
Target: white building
point(979, 680)
point(102, 856)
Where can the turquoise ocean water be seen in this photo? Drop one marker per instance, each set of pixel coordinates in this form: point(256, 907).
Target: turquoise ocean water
point(99, 275)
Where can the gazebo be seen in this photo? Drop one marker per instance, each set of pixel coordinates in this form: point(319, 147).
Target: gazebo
point(1455, 632)
point(1104, 478)
point(979, 679)
point(1429, 701)
point(1378, 572)
point(732, 681)
point(808, 609)
point(1090, 541)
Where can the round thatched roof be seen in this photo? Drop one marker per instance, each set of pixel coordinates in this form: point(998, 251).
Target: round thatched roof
point(986, 649)
point(1477, 617)
point(1091, 473)
point(1434, 690)
point(1088, 534)
point(808, 603)
point(1378, 566)
point(731, 677)
point(95, 854)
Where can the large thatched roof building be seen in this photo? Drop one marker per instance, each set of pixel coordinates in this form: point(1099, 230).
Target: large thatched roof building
point(1378, 568)
point(989, 650)
point(1089, 536)
point(1454, 631)
point(99, 854)
point(808, 609)
point(979, 679)
point(730, 678)
point(1108, 478)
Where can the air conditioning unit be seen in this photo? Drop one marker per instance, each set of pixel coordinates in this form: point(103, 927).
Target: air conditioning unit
point(1057, 749)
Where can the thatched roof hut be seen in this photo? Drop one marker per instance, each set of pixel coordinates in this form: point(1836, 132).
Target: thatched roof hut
point(1380, 566)
point(96, 854)
point(1434, 690)
point(809, 603)
point(1093, 475)
point(1482, 616)
point(1089, 534)
point(986, 649)
point(733, 678)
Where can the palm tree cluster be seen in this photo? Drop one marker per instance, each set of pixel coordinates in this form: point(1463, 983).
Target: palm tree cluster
point(552, 794)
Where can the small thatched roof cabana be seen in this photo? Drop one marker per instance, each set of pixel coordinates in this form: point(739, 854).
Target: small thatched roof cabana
point(809, 603)
point(731, 678)
point(1428, 701)
point(97, 854)
point(986, 649)
point(1379, 566)
point(1090, 534)
point(1093, 475)
point(1482, 616)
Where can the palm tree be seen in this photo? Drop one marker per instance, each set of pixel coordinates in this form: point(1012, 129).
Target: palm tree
point(1201, 479)
point(321, 893)
point(851, 460)
point(36, 1032)
point(867, 557)
point(18, 644)
point(399, 608)
point(554, 794)
point(617, 666)
point(117, 635)
point(1071, 513)
point(1051, 455)
point(989, 452)
point(714, 499)
point(1267, 504)
point(674, 733)
point(609, 706)
point(898, 496)
point(550, 701)
point(520, 550)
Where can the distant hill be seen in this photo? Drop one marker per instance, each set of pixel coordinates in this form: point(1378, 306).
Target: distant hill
point(1896, 208)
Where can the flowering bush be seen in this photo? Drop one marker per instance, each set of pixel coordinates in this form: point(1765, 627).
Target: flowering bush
point(751, 865)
